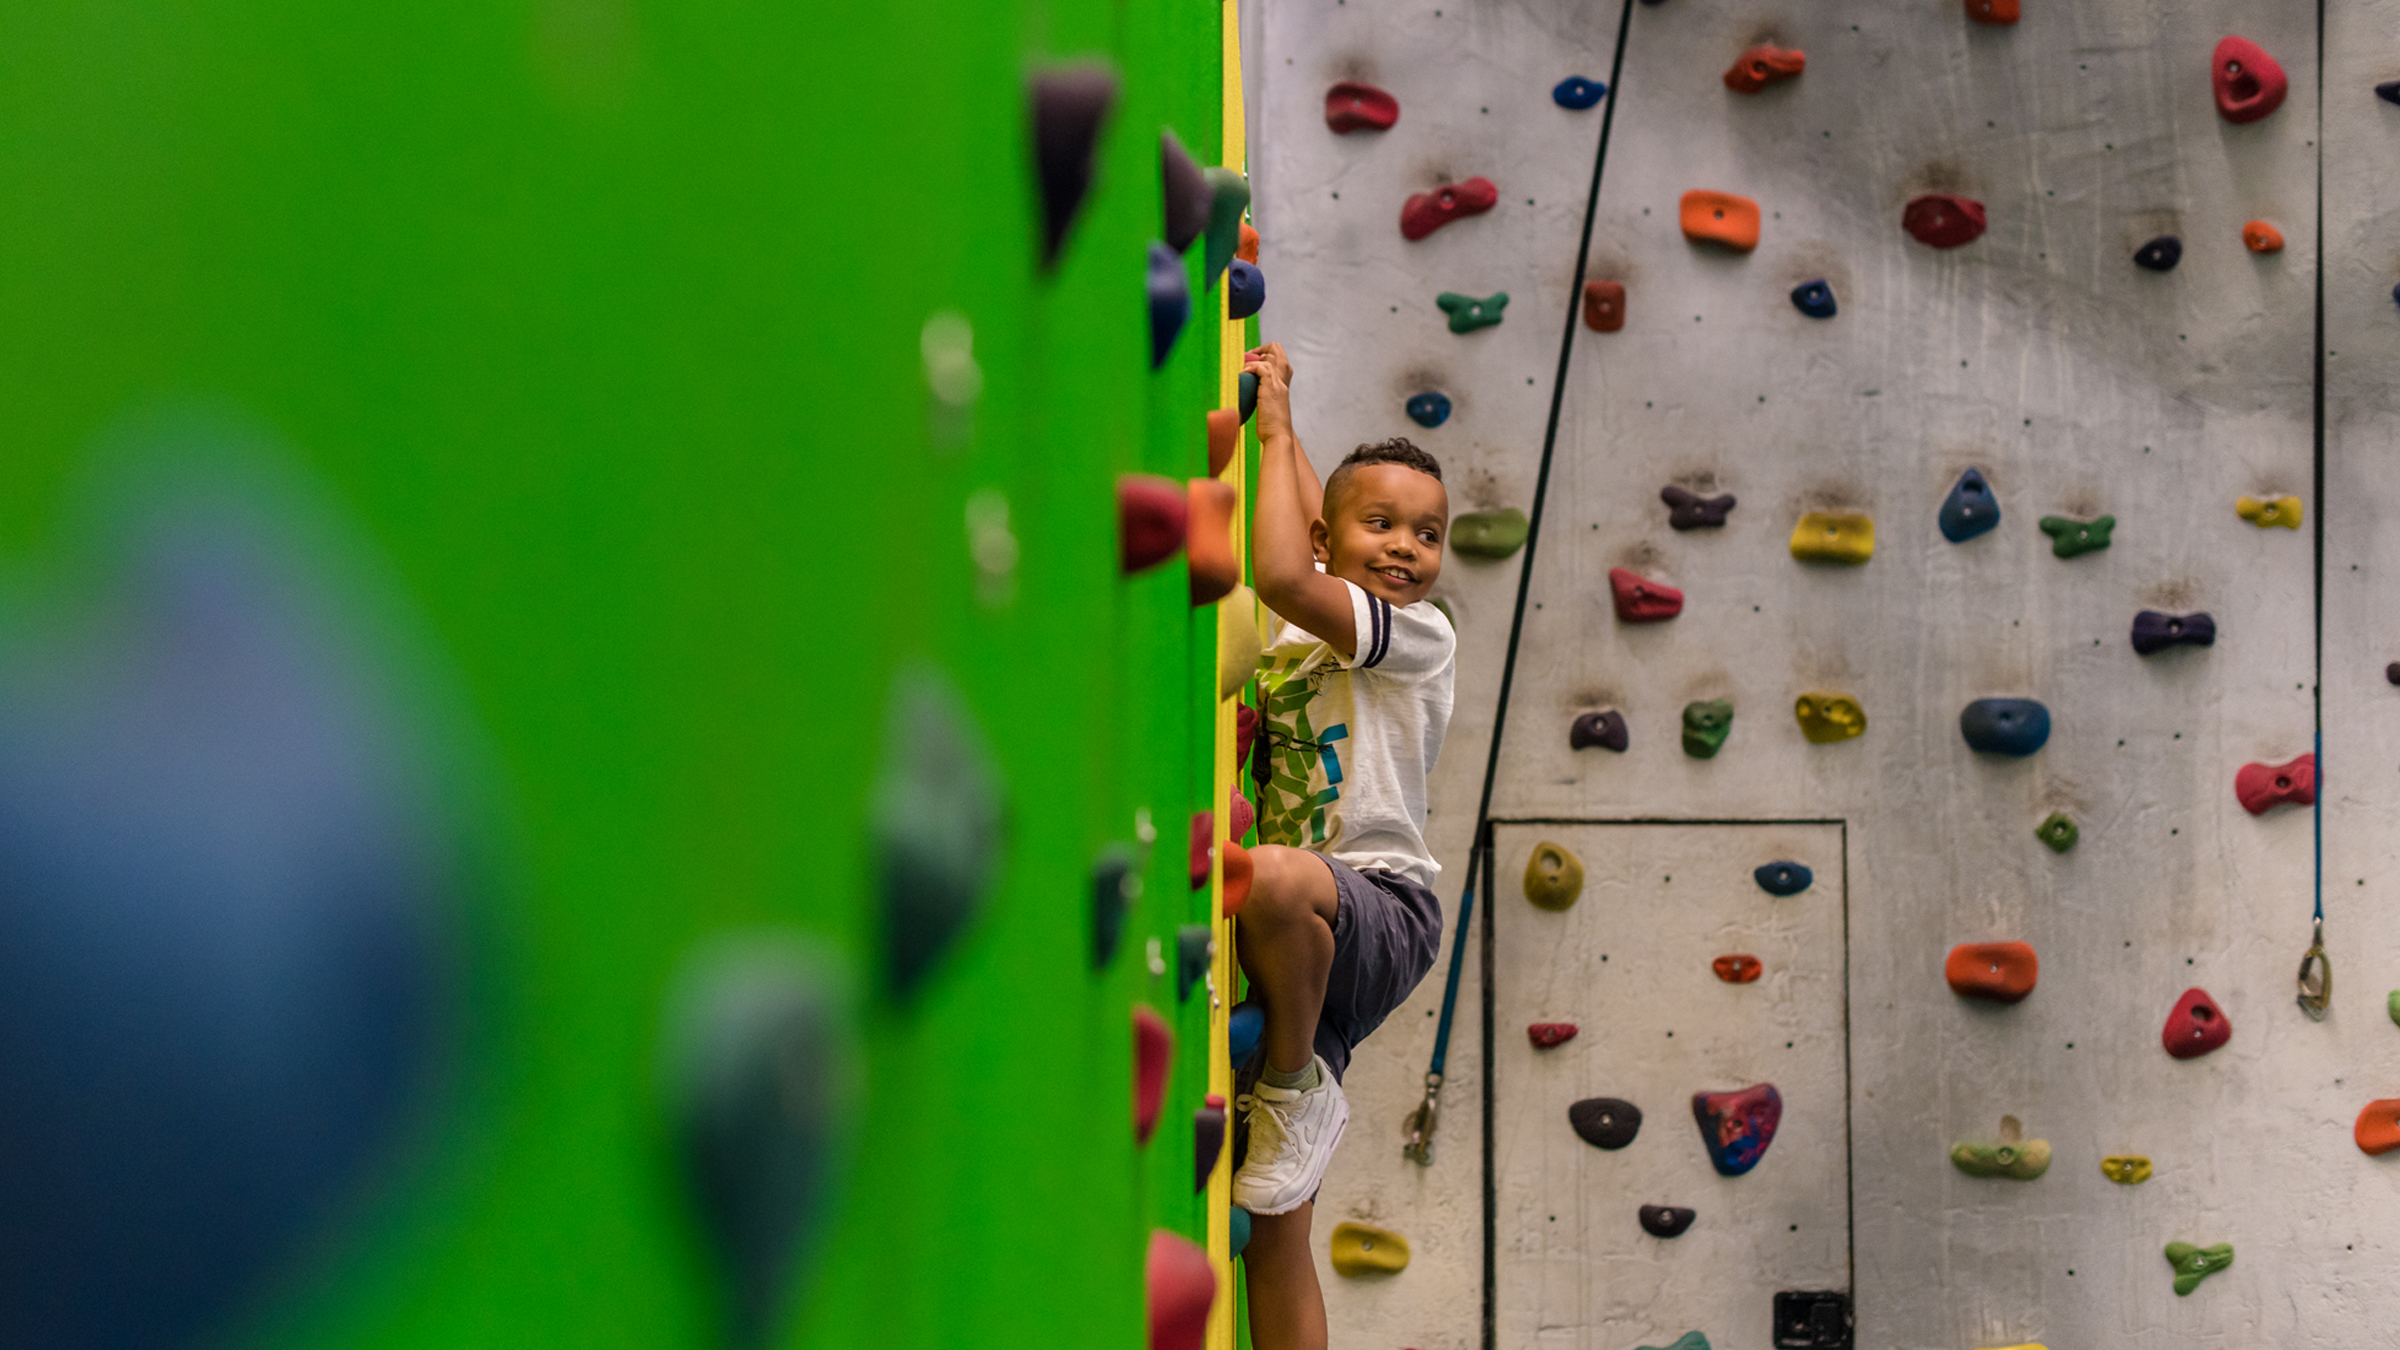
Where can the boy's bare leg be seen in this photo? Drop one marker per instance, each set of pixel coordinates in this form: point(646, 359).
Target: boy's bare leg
point(1287, 1310)
point(1284, 941)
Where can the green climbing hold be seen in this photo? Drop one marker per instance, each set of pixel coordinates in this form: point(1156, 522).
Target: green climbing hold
point(2011, 1156)
point(2392, 1006)
point(2194, 1264)
point(2074, 538)
point(1468, 313)
point(1224, 221)
point(1488, 534)
point(1690, 1340)
point(2058, 832)
point(1706, 724)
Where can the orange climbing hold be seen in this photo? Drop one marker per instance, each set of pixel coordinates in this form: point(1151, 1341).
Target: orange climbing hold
point(2260, 237)
point(1238, 874)
point(1763, 65)
point(1720, 218)
point(1224, 438)
point(1352, 106)
point(1153, 1049)
point(1992, 11)
point(1996, 972)
point(1182, 1286)
point(1737, 969)
point(2378, 1128)
point(1604, 306)
point(1208, 544)
point(1247, 251)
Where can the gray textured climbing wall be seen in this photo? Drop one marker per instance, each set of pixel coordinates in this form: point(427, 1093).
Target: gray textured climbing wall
point(2080, 384)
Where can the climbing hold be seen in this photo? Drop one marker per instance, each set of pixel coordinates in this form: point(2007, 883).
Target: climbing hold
point(2388, 91)
point(2391, 1006)
point(1224, 438)
point(1941, 220)
point(1996, 972)
point(1181, 1286)
point(1245, 291)
point(2284, 511)
point(1577, 93)
point(1826, 718)
point(1170, 302)
point(1605, 729)
point(1690, 1340)
point(2194, 1264)
point(1186, 193)
point(2074, 538)
point(937, 821)
point(1814, 299)
point(1245, 1027)
point(1720, 218)
point(1238, 647)
point(1246, 394)
point(2004, 726)
point(1351, 106)
point(1070, 105)
point(2160, 254)
point(1688, 510)
point(1737, 1126)
point(1545, 1035)
point(2378, 1128)
point(1195, 951)
point(1242, 816)
point(1666, 1221)
point(1247, 249)
point(1240, 871)
point(1763, 65)
point(1425, 212)
point(1208, 1140)
point(2057, 831)
point(1740, 969)
point(1640, 600)
point(1553, 876)
point(1605, 1122)
point(1468, 313)
point(1706, 724)
point(2262, 787)
point(1429, 409)
point(1245, 729)
point(2196, 1026)
point(2012, 1156)
point(1204, 827)
point(1970, 509)
point(1152, 513)
point(1153, 1049)
point(2125, 1169)
point(2248, 82)
point(1604, 305)
point(1237, 1231)
point(1115, 886)
point(2260, 237)
point(1229, 198)
point(1834, 537)
point(1813, 1319)
point(1208, 540)
point(1362, 1249)
point(2155, 632)
point(1783, 878)
point(1992, 11)
point(1488, 534)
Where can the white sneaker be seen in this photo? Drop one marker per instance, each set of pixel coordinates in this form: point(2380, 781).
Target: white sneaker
point(1292, 1137)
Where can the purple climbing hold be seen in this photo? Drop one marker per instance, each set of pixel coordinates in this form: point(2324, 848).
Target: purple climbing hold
point(1208, 1140)
point(1186, 191)
point(1605, 1122)
point(1170, 302)
point(1603, 729)
point(1245, 290)
point(1737, 1126)
point(2155, 632)
point(1690, 511)
point(1070, 106)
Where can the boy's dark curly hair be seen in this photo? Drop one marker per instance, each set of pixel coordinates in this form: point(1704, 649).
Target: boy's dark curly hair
point(1398, 450)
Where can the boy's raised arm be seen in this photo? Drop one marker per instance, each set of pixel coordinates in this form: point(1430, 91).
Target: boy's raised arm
point(1283, 550)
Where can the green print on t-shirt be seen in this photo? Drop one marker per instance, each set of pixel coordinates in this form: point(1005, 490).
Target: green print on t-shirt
point(1288, 813)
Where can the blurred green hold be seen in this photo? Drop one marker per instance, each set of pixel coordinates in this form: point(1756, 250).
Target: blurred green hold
point(2392, 1006)
point(2074, 538)
point(1488, 534)
point(1468, 313)
point(2058, 832)
point(2194, 1264)
point(1706, 724)
point(1224, 220)
point(1444, 607)
point(1690, 1340)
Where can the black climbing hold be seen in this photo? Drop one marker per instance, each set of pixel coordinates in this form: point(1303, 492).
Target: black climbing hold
point(1245, 1027)
point(1245, 290)
point(1814, 299)
point(1605, 1122)
point(1115, 886)
point(1070, 106)
point(1229, 197)
point(2160, 254)
point(936, 813)
point(2155, 632)
point(761, 1084)
point(1691, 511)
point(1970, 509)
point(1603, 729)
point(1666, 1221)
point(1170, 302)
point(2388, 91)
point(1783, 878)
point(2391, 673)
point(1577, 92)
point(1247, 396)
point(1186, 192)
point(1195, 949)
point(1813, 1320)
point(2004, 726)
point(1208, 1140)
point(1429, 409)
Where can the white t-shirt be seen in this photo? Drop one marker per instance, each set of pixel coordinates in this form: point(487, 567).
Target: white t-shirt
point(1353, 738)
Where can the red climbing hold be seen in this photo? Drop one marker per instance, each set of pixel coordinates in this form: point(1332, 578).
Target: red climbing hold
point(2262, 787)
point(1204, 829)
point(1351, 106)
point(1739, 969)
point(1943, 221)
point(2196, 1027)
point(1245, 729)
point(1763, 65)
point(1640, 600)
point(1247, 251)
point(1992, 11)
point(1181, 1286)
point(1238, 875)
point(2248, 82)
point(1153, 1049)
point(1429, 211)
point(1151, 516)
point(1224, 438)
point(1604, 306)
point(1996, 972)
point(1208, 540)
point(1547, 1034)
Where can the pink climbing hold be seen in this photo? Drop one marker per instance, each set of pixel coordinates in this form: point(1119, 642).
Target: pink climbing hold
point(1641, 600)
point(1153, 1050)
point(2262, 787)
point(1942, 220)
point(2196, 1027)
point(1240, 815)
point(1245, 730)
point(1352, 106)
point(1182, 1286)
point(1429, 211)
point(2249, 84)
point(1544, 1035)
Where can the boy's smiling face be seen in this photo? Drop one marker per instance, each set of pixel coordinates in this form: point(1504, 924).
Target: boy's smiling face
point(1382, 530)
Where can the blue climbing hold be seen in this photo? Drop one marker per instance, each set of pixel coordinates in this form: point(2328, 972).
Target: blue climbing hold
point(1245, 1027)
point(1245, 290)
point(2004, 726)
point(2396, 295)
point(1429, 409)
point(1170, 302)
point(1783, 878)
point(1578, 93)
point(1970, 509)
point(1814, 299)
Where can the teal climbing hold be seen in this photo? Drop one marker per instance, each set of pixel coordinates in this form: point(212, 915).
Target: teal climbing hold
point(1467, 313)
point(937, 818)
point(1690, 1340)
point(1225, 208)
point(1248, 397)
point(2074, 538)
point(1237, 1231)
point(1245, 1027)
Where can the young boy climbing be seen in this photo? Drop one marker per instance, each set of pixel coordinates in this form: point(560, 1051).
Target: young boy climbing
point(1342, 922)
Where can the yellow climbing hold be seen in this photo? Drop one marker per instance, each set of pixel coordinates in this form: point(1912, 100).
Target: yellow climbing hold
point(2126, 1169)
point(2029, 1345)
point(1553, 876)
point(1238, 642)
point(1826, 536)
point(1826, 718)
point(1363, 1249)
point(2284, 511)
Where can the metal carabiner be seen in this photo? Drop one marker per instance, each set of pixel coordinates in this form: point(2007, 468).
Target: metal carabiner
point(1421, 1122)
point(2316, 978)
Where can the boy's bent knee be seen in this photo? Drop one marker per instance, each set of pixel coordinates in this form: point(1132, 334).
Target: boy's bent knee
point(1290, 882)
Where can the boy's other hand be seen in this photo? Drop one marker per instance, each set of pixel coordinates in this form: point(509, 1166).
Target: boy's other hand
point(1274, 371)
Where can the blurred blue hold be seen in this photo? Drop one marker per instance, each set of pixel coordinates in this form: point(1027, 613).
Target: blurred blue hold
point(1970, 509)
point(2396, 295)
point(1170, 301)
point(2004, 726)
point(1244, 1027)
point(1578, 93)
point(1245, 290)
point(1429, 409)
point(1814, 299)
point(1783, 878)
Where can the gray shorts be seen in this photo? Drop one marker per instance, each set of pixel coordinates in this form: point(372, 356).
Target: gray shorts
point(1386, 933)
